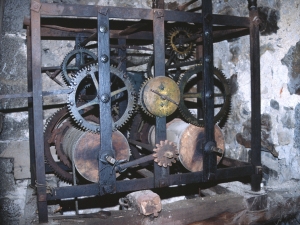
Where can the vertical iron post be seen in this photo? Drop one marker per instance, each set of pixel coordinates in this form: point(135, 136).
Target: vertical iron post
point(160, 173)
point(30, 109)
point(107, 176)
point(38, 111)
point(209, 157)
point(255, 96)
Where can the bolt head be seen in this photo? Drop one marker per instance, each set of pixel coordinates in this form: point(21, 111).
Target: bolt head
point(105, 98)
point(103, 58)
point(103, 29)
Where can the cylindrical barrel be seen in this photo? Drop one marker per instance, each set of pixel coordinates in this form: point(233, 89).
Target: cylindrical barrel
point(86, 145)
point(189, 140)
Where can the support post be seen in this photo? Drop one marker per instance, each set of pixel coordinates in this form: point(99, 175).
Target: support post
point(160, 173)
point(209, 157)
point(107, 176)
point(255, 96)
point(38, 111)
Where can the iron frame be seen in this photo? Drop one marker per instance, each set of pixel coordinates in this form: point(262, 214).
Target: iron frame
point(162, 177)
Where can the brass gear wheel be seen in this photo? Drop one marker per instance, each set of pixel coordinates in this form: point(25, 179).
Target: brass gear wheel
point(188, 94)
point(69, 65)
point(166, 153)
point(121, 90)
point(178, 43)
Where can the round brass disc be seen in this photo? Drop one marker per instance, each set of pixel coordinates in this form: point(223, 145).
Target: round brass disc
point(161, 96)
point(87, 149)
point(191, 142)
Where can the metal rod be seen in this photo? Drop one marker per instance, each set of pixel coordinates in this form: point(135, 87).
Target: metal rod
point(107, 180)
point(209, 157)
point(160, 173)
point(255, 96)
point(38, 111)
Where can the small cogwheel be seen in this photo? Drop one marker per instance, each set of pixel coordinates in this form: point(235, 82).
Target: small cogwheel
point(166, 153)
point(179, 42)
point(74, 61)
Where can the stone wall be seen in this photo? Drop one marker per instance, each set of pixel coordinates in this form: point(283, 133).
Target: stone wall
point(280, 88)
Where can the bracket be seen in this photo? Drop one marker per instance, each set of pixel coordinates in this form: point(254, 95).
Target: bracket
point(36, 6)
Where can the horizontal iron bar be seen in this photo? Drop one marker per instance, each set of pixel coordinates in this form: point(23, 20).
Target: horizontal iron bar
point(29, 94)
point(52, 9)
point(148, 183)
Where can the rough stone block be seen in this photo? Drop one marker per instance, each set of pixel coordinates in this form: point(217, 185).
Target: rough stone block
point(146, 202)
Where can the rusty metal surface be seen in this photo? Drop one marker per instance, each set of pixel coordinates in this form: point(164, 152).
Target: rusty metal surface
point(255, 94)
point(86, 153)
point(38, 112)
point(191, 143)
point(162, 176)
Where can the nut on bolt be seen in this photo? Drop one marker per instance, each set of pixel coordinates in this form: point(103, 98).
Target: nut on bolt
point(103, 58)
point(110, 159)
point(103, 29)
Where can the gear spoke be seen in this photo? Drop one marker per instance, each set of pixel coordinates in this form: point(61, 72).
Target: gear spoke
point(72, 68)
point(118, 91)
point(95, 81)
point(192, 95)
point(95, 101)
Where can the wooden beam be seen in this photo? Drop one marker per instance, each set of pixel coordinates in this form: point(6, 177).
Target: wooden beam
point(180, 212)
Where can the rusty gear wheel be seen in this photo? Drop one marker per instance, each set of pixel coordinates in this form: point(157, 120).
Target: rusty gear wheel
point(51, 131)
point(121, 91)
point(166, 153)
point(188, 106)
point(140, 99)
point(69, 66)
point(179, 43)
point(55, 129)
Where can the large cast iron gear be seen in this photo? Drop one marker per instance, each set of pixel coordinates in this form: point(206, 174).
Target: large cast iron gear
point(166, 153)
point(79, 56)
point(177, 43)
point(222, 96)
point(121, 90)
point(51, 131)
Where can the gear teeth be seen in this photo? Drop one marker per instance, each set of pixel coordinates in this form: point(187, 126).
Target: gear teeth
point(49, 128)
point(187, 52)
point(72, 101)
point(166, 153)
point(185, 112)
point(69, 57)
point(140, 100)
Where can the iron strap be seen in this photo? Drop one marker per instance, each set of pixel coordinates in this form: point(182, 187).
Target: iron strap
point(107, 177)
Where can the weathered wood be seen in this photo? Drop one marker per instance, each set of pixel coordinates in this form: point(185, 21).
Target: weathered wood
point(180, 212)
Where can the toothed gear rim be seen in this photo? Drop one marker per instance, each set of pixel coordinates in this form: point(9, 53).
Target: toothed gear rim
point(183, 51)
point(140, 101)
point(165, 153)
point(91, 72)
point(66, 68)
point(51, 126)
point(219, 78)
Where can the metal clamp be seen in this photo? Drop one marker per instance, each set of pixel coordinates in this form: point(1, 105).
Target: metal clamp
point(159, 13)
point(103, 10)
point(36, 6)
